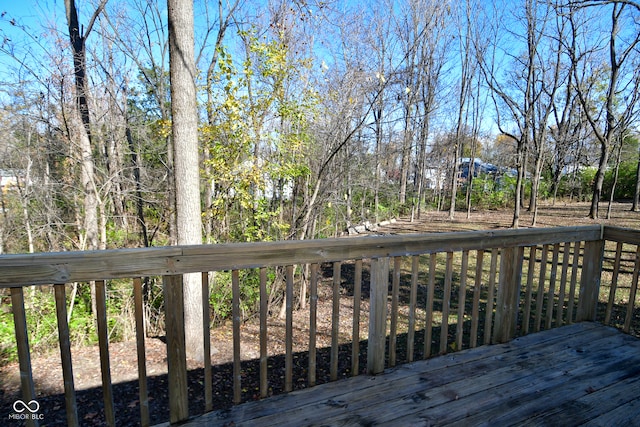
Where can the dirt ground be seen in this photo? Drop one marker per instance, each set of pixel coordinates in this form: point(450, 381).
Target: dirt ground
point(86, 365)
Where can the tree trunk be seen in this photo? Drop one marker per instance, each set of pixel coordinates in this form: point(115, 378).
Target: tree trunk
point(599, 181)
point(454, 179)
point(636, 196)
point(377, 115)
point(78, 39)
point(404, 168)
point(144, 234)
point(616, 171)
point(186, 161)
point(519, 180)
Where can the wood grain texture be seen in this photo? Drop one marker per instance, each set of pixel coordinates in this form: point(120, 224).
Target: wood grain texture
point(446, 304)
point(393, 323)
point(508, 294)
point(264, 313)
point(65, 267)
point(65, 355)
point(461, 299)
point(428, 330)
point(237, 322)
point(335, 322)
point(413, 299)
point(176, 352)
point(288, 357)
point(143, 394)
point(590, 280)
point(541, 283)
point(490, 296)
point(103, 344)
point(206, 336)
point(620, 234)
point(552, 285)
point(566, 249)
point(378, 315)
point(24, 354)
point(475, 308)
point(589, 374)
point(614, 283)
point(526, 317)
point(575, 267)
point(313, 320)
point(355, 336)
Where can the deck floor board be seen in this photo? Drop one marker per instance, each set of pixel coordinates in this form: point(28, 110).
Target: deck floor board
point(578, 374)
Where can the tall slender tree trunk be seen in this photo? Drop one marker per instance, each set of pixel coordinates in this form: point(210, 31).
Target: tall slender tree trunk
point(454, 178)
point(144, 234)
point(186, 160)
point(78, 40)
point(406, 162)
point(599, 180)
point(636, 196)
point(377, 114)
point(616, 171)
point(82, 126)
point(515, 223)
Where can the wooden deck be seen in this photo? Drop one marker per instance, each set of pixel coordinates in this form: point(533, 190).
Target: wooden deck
point(581, 374)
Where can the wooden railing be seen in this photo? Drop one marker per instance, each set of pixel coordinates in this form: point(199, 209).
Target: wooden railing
point(435, 293)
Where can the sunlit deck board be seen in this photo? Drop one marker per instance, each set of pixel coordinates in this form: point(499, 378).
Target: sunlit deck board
point(566, 376)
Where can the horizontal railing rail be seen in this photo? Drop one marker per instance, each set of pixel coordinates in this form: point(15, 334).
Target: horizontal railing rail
point(434, 293)
point(82, 266)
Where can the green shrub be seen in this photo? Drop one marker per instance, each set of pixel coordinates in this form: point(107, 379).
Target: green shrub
point(42, 323)
point(626, 185)
point(220, 294)
point(487, 192)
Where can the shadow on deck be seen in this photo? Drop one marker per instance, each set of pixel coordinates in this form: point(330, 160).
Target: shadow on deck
point(581, 374)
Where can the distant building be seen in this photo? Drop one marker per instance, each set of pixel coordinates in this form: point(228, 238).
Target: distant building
point(9, 179)
point(434, 178)
point(479, 168)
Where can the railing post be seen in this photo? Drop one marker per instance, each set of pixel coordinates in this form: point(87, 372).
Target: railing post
point(379, 289)
point(590, 280)
point(506, 319)
point(176, 352)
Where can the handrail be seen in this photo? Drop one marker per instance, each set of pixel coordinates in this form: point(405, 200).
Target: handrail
point(83, 266)
point(620, 234)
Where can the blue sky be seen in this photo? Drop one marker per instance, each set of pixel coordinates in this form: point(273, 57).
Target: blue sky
point(33, 15)
point(31, 12)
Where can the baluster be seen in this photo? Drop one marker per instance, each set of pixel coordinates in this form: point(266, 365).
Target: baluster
point(141, 352)
point(357, 295)
point(24, 354)
point(103, 343)
point(65, 355)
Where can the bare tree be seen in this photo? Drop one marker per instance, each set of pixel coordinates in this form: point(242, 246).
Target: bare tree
point(515, 108)
point(619, 78)
point(468, 74)
point(78, 37)
point(141, 36)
